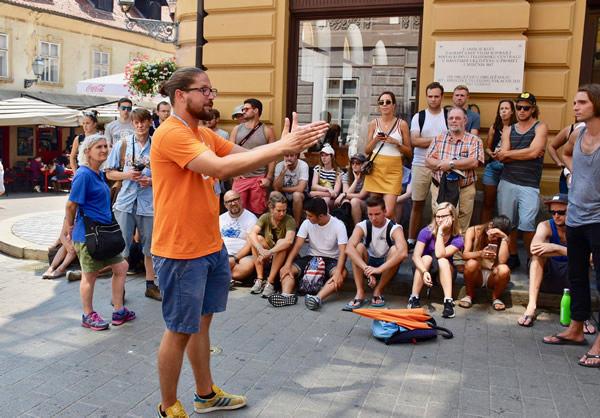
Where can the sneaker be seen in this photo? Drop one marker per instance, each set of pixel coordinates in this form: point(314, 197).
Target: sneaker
point(312, 302)
point(448, 309)
point(37, 188)
point(411, 247)
point(278, 300)
point(221, 400)
point(259, 284)
point(268, 290)
point(73, 276)
point(175, 411)
point(94, 321)
point(153, 292)
point(120, 318)
point(131, 272)
point(413, 302)
point(513, 262)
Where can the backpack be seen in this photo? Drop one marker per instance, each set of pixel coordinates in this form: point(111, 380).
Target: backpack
point(422, 119)
point(391, 333)
point(314, 277)
point(344, 215)
point(388, 234)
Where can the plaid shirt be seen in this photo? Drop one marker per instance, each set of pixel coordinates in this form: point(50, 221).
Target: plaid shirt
point(445, 147)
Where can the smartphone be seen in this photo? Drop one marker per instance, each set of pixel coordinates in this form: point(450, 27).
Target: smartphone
point(493, 247)
point(139, 167)
point(380, 134)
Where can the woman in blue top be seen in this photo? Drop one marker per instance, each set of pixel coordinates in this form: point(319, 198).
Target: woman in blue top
point(90, 193)
point(436, 244)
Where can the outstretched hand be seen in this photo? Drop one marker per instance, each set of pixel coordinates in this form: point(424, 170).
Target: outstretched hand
point(296, 138)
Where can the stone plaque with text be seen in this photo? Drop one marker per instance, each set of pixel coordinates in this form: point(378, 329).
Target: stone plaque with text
point(483, 66)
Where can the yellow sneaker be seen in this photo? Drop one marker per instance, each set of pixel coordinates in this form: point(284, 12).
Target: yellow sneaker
point(175, 411)
point(221, 400)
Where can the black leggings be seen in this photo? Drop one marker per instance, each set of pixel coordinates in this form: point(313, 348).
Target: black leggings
point(581, 241)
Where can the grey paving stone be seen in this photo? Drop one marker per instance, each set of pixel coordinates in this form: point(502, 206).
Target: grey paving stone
point(408, 411)
point(475, 402)
point(504, 377)
point(475, 379)
point(505, 400)
point(441, 410)
point(415, 394)
point(539, 408)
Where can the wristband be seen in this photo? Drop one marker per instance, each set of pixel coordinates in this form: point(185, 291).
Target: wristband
point(505, 239)
point(237, 260)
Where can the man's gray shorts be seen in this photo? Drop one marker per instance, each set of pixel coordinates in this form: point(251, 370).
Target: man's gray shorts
point(128, 222)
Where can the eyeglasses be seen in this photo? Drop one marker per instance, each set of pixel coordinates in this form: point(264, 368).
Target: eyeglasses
point(442, 216)
point(557, 212)
point(525, 108)
point(127, 108)
point(205, 90)
point(245, 109)
point(384, 102)
point(227, 202)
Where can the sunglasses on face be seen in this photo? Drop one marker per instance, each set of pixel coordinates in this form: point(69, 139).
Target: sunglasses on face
point(525, 108)
point(356, 162)
point(557, 212)
point(384, 102)
point(127, 108)
point(227, 202)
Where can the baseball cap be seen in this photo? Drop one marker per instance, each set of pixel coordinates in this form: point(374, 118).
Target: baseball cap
point(237, 111)
point(557, 198)
point(360, 157)
point(328, 150)
point(527, 97)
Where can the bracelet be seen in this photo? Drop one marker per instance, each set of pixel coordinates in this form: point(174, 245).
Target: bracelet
point(441, 233)
point(260, 247)
point(505, 239)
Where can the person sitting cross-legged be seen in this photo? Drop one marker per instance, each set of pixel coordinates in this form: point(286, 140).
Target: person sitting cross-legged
point(270, 240)
point(327, 250)
point(486, 254)
point(379, 256)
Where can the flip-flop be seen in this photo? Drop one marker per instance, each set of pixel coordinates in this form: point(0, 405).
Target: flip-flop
point(498, 302)
point(530, 318)
point(587, 356)
point(467, 300)
point(380, 303)
point(564, 341)
point(589, 328)
point(361, 303)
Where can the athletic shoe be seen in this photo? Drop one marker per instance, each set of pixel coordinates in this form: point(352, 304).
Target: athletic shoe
point(259, 284)
point(413, 302)
point(73, 276)
point(268, 290)
point(175, 411)
point(411, 247)
point(312, 302)
point(278, 300)
point(153, 292)
point(37, 188)
point(448, 309)
point(124, 316)
point(221, 400)
point(94, 322)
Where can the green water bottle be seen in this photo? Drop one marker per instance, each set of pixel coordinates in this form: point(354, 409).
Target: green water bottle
point(565, 308)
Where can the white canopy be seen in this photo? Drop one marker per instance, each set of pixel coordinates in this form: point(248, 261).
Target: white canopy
point(26, 111)
point(110, 85)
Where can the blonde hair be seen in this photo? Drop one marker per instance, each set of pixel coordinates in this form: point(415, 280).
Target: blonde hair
point(433, 226)
point(87, 144)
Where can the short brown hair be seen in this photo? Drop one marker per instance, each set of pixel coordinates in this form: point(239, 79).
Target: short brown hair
point(373, 201)
point(181, 79)
point(434, 85)
point(461, 87)
point(141, 114)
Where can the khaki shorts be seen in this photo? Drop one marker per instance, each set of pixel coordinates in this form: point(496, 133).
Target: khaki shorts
point(421, 180)
point(90, 265)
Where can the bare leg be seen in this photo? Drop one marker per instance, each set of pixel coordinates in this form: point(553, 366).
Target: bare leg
point(358, 273)
point(527, 237)
point(276, 264)
point(118, 284)
point(498, 280)
point(415, 218)
point(66, 262)
point(329, 288)
point(445, 275)
point(243, 269)
point(288, 282)
point(260, 267)
point(358, 207)
point(86, 291)
point(58, 258)
point(386, 276)
point(473, 278)
point(170, 358)
point(298, 206)
point(390, 205)
point(536, 275)
point(198, 351)
point(512, 245)
point(418, 279)
point(149, 268)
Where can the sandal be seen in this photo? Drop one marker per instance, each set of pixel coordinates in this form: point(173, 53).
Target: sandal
point(530, 318)
point(498, 302)
point(361, 303)
point(465, 302)
point(587, 356)
point(379, 302)
point(589, 328)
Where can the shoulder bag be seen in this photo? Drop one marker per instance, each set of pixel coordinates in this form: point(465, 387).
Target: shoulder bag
point(103, 241)
point(367, 166)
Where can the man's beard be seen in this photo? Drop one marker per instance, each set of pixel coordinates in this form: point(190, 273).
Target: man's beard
point(235, 212)
point(201, 114)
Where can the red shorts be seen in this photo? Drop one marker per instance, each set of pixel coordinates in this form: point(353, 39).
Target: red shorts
point(254, 197)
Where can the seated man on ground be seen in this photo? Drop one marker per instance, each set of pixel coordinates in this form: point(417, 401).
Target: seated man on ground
point(486, 254)
point(235, 225)
point(379, 256)
point(327, 250)
point(436, 245)
point(548, 270)
point(291, 179)
point(270, 240)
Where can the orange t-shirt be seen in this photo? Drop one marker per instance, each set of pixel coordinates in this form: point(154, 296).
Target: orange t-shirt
point(186, 208)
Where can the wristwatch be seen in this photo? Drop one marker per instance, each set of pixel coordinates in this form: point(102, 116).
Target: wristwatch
point(451, 165)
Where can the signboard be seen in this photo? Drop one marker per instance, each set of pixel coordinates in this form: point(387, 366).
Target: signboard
point(483, 66)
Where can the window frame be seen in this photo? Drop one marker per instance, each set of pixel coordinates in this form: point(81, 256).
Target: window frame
point(103, 5)
point(7, 56)
point(100, 66)
point(47, 59)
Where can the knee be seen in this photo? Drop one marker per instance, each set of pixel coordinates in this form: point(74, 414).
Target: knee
point(471, 267)
point(503, 272)
point(298, 197)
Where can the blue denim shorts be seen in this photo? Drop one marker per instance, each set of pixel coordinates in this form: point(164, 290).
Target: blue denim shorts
point(492, 173)
point(376, 262)
point(192, 288)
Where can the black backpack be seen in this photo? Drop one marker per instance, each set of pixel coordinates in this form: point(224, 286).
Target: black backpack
point(388, 233)
point(422, 119)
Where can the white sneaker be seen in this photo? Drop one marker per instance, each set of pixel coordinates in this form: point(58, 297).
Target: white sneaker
point(37, 188)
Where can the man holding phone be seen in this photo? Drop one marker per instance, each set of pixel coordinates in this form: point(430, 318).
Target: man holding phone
point(134, 207)
point(291, 179)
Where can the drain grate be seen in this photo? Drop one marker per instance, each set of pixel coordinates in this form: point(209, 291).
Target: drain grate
point(215, 351)
point(34, 266)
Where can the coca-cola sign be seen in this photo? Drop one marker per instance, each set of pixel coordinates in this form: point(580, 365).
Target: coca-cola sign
point(95, 88)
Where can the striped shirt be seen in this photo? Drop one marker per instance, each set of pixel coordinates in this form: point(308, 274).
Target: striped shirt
point(445, 147)
point(323, 174)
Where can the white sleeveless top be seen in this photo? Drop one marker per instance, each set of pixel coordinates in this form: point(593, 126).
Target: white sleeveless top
point(388, 149)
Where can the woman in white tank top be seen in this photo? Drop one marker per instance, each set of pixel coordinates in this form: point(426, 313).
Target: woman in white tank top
point(390, 135)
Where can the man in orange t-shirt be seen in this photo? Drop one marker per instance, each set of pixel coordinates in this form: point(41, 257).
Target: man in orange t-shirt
point(188, 253)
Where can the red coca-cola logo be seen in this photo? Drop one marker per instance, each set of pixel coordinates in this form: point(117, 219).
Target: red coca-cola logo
point(95, 88)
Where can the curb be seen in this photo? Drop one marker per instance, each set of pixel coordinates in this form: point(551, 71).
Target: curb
point(14, 246)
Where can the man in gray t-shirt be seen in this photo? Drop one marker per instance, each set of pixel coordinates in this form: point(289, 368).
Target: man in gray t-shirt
point(120, 128)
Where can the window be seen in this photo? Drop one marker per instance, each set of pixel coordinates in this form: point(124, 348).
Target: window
point(50, 54)
point(3, 55)
point(100, 64)
point(342, 101)
point(106, 5)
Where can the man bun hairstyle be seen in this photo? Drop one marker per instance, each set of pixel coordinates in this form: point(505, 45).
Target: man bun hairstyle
point(181, 79)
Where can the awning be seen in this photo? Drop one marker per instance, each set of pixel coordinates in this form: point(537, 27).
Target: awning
point(110, 85)
point(9, 94)
point(26, 111)
point(69, 100)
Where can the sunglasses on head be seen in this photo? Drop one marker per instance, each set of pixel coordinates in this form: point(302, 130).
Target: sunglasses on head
point(525, 108)
point(384, 102)
point(127, 108)
point(557, 212)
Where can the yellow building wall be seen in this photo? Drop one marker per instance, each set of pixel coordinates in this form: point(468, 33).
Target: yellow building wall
point(553, 31)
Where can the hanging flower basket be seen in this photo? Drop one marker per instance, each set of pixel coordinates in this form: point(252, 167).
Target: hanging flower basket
point(143, 77)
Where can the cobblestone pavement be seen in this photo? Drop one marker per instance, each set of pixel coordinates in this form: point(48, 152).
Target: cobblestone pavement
point(42, 229)
point(288, 361)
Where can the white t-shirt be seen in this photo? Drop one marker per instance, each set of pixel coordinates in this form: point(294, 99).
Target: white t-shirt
point(324, 240)
point(117, 130)
point(235, 230)
point(378, 247)
point(292, 177)
point(434, 125)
